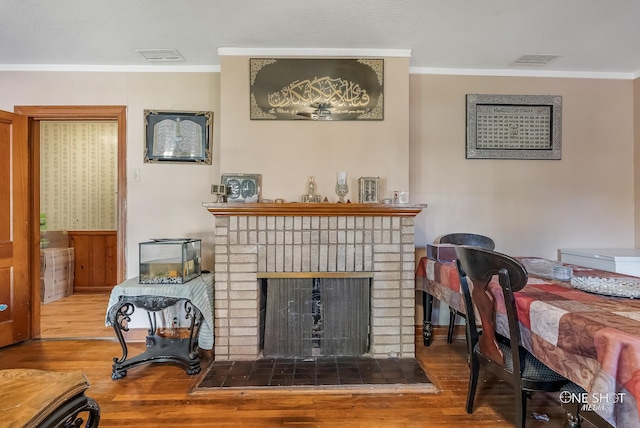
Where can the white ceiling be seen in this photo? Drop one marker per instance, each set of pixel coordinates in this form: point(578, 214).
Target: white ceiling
point(591, 37)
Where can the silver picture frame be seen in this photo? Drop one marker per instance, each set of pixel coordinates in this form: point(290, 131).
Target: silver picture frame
point(514, 126)
point(178, 136)
point(369, 190)
point(242, 187)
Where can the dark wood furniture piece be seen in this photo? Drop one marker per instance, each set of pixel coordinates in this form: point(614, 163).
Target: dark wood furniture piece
point(96, 260)
point(472, 239)
point(464, 239)
point(503, 356)
point(427, 299)
point(568, 313)
point(44, 399)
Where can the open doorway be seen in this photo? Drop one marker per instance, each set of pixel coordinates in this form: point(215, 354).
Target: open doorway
point(37, 114)
point(78, 226)
point(78, 206)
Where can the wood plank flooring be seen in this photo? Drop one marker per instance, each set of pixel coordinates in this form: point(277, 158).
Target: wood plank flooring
point(160, 395)
point(76, 316)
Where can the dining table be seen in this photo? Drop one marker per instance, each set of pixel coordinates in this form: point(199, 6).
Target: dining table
point(587, 328)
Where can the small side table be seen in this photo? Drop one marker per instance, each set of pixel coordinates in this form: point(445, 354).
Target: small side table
point(195, 296)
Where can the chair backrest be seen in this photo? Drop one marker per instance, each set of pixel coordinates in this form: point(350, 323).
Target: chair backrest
point(468, 239)
point(481, 265)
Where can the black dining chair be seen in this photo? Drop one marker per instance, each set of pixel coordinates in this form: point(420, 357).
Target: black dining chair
point(464, 239)
point(502, 356)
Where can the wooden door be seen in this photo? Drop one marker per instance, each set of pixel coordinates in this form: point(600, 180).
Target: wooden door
point(15, 286)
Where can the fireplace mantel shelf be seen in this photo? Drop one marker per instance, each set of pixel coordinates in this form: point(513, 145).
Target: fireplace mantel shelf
point(312, 209)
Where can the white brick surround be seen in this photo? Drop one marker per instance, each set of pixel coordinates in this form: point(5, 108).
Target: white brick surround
point(381, 244)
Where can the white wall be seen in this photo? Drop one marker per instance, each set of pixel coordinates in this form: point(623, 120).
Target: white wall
point(286, 153)
point(167, 200)
point(528, 207)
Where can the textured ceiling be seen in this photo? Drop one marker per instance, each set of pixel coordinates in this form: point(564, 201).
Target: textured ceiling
point(590, 36)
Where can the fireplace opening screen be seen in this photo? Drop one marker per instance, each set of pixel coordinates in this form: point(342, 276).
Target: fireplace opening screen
point(313, 317)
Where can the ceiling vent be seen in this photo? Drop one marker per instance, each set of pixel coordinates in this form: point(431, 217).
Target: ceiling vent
point(161, 55)
point(534, 59)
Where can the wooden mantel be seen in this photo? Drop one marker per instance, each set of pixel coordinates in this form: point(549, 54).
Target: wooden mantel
point(312, 209)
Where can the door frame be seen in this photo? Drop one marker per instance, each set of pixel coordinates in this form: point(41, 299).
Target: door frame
point(34, 115)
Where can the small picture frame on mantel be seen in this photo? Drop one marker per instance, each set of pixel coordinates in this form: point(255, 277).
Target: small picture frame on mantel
point(369, 190)
point(242, 187)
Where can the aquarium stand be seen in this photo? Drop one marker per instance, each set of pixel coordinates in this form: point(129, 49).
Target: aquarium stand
point(168, 347)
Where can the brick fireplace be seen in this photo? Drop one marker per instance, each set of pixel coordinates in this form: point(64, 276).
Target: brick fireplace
point(295, 240)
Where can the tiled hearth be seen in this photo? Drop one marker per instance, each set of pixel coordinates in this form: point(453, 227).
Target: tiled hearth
point(254, 241)
point(326, 372)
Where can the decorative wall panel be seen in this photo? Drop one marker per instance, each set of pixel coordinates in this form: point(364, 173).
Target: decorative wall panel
point(317, 89)
point(78, 174)
point(514, 126)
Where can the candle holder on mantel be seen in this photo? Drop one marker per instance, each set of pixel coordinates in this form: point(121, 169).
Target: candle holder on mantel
point(311, 192)
point(341, 186)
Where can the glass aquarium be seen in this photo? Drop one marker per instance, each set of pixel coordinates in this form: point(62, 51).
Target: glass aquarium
point(169, 261)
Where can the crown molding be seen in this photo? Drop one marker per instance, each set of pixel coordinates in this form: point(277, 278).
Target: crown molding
point(165, 68)
point(314, 52)
point(160, 68)
point(522, 73)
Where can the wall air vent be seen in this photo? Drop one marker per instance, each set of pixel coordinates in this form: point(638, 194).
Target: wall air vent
point(534, 59)
point(161, 55)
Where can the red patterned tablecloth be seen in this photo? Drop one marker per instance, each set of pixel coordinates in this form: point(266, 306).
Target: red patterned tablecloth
point(590, 339)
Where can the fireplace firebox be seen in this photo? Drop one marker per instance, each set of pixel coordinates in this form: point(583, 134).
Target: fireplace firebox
point(316, 317)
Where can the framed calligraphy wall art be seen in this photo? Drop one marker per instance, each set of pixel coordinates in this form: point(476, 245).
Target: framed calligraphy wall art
point(514, 126)
point(175, 136)
point(316, 89)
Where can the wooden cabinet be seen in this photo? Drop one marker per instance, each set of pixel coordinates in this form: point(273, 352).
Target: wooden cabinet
point(96, 266)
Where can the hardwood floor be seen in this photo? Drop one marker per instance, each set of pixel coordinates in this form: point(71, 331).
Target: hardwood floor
point(75, 316)
point(160, 395)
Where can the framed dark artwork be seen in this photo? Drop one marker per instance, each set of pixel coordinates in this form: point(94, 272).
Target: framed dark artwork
point(242, 187)
point(514, 127)
point(316, 89)
point(178, 136)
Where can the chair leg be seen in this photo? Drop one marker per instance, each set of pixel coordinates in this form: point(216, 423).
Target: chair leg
point(452, 323)
point(572, 414)
point(521, 408)
point(474, 372)
point(427, 309)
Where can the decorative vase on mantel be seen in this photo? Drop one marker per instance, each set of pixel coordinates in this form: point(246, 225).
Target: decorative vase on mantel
point(341, 186)
point(311, 189)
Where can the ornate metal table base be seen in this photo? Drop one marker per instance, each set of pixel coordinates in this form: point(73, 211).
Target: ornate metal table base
point(182, 351)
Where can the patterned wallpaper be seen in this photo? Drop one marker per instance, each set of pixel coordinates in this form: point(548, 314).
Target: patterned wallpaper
point(78, 174)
